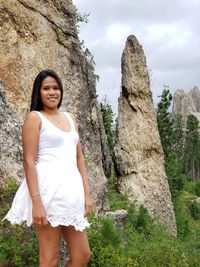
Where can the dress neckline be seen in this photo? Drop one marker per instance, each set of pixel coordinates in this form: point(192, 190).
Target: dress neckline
point(66, 115)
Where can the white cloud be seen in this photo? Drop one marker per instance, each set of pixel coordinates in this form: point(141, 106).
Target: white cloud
point(168, 34)
point(117, 33)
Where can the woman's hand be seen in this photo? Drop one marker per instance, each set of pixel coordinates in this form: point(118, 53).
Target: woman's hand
point(39, 214)
point(88, 206)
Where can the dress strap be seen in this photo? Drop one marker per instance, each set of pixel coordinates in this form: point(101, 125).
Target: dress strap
point(70, 120)
point(39, 114)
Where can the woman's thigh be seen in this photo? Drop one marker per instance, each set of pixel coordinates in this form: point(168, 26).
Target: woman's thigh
point(49, 242)
point(77, 243)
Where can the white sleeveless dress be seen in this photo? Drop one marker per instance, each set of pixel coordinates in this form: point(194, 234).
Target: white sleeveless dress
point(59, 180)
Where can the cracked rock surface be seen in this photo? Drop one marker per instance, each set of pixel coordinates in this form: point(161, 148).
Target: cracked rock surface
point(10, 142)
point(139, 160)
point(35, 35)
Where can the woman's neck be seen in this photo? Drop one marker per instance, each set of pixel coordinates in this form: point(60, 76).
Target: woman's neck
point(50, 111)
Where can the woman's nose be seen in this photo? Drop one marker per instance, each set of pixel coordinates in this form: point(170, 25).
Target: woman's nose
point(51, 91)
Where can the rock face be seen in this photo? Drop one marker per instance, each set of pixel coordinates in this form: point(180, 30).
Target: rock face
point(10, 140)
point(35, 35)
point(139, 158)
point(187, 103)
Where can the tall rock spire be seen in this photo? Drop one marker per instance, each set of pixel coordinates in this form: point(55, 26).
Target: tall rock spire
point(139, 157)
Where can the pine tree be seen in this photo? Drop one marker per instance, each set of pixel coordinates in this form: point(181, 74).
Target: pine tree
point(177, 136)
point(108, 115)
point(175, 176)
point(164, 120)
point(191, 148)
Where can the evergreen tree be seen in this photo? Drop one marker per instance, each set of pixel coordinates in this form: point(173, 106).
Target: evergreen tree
point(108, 115)
point(177, 136)
point(191, 148)
point(164, 120)
point(174, 174)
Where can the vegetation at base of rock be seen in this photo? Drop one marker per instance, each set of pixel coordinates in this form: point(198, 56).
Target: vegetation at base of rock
point(18, 245)
point(140, 243)
point(117, 201)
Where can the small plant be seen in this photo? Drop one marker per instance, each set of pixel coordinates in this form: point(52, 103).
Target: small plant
point(87, 160)
point(81, 17)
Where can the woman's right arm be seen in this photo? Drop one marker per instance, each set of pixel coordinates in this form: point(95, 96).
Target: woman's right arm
point(30, 139)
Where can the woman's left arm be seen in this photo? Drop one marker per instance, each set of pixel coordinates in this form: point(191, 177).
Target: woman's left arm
point(82, 170)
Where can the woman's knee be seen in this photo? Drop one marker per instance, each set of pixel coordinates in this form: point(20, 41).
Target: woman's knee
point(50, 260)
point(87, 256)
point(81, 258)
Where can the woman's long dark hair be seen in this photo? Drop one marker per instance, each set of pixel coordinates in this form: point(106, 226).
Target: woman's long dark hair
point(36, 102)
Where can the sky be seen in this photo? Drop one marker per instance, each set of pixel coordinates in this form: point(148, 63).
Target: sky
point(169, 32)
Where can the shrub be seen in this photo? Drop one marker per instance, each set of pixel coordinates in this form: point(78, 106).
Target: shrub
point(107, 245)
point(195, 210)
point(18, 246)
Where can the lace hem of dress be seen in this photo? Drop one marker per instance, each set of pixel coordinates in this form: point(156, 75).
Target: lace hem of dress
point(79, 223)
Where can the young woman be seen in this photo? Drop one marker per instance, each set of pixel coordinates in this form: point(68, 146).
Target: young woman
point(55, 195)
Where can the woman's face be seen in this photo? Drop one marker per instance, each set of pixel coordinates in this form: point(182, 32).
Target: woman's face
point(50, 93)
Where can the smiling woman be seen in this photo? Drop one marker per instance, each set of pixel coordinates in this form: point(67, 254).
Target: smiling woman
point(46, 80)
point(55, 195)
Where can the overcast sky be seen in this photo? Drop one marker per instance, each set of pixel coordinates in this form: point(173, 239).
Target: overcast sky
point(169, 32)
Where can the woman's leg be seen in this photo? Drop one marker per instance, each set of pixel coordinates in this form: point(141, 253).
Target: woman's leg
point(78, 247)
point(49, 245)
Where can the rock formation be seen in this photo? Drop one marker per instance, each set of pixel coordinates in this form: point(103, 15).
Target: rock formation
point(139, 158)
point(35, 35)
point(187, 103)
point(10, 140)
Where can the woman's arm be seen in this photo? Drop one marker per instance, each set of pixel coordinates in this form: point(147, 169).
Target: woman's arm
point(82, 170)
point(30, 139)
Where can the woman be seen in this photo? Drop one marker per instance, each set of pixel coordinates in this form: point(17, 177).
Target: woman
point(55, 195)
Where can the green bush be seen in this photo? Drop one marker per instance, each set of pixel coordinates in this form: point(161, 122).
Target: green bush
point(116, 200)
point(108, 248)
point(140, 243)
point(18, 245)
point(195, 210)
point(145, 244)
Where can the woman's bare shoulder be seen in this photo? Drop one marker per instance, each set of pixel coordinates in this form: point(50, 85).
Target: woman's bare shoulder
point(32, 117)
